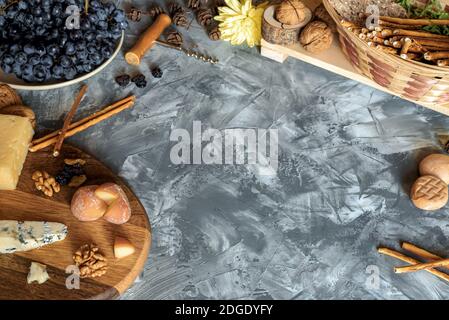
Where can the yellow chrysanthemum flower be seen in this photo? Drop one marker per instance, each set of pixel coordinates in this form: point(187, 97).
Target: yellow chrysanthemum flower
point(241, 21)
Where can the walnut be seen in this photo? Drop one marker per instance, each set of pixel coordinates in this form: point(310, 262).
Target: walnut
point(90, 261)
point(322, 14)
point(316, 37)
point(45, 182)
point(291, 12)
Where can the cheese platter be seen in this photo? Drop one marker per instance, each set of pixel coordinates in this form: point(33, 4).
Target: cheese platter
point(334, 60)
point(26, 203)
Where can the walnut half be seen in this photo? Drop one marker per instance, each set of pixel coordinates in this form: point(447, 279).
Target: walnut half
point(90, 261)
point(316, 37)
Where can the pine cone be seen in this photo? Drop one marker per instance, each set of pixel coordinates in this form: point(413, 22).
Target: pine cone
point(193, 4)
point(214, 33)
point(155, 11)
point(204, 17)
point(135, 14)
point(174, 37)
point(180, 19)
point(174, 7)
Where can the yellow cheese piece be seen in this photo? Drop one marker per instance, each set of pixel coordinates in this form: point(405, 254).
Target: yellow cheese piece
point(15, 136)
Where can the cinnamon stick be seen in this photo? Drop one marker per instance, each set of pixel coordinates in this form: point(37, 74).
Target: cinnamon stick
point(68, 120)
point(92, 116)
point(422, 266)
point(405, 258)
point(420, 252)
point(85, 124)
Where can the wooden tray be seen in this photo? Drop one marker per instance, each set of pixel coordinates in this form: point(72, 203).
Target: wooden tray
point(26, 203)
point(332, 60)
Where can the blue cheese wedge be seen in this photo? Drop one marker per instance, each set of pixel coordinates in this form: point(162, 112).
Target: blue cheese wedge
point(18, 236)
point(38, 273)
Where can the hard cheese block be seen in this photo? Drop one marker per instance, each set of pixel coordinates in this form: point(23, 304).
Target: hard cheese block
point(15, 135)
point(28, 235)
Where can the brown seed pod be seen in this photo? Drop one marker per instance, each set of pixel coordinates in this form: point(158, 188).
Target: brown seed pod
point(204, 17)
point(155, 11)
point(135, 15)
point(193, 4)
point(175, 38)
point(174, 7)
point(214, 33)
point(180, 19)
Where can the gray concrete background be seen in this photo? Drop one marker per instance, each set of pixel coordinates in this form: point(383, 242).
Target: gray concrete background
point(348, 155)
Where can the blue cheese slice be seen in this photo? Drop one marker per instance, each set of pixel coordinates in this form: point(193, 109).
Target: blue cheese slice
point(28, 235)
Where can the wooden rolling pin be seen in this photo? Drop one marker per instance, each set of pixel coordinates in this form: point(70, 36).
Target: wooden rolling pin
point(146, 40)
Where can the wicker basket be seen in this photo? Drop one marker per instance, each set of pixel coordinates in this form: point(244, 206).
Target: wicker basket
point(416, 81)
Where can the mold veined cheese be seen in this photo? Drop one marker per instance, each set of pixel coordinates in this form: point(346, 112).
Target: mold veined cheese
point(16, 236)
point(15, 136)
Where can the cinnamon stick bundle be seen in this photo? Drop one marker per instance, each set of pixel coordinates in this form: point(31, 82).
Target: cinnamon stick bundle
point(83, 124)
point(405, 258)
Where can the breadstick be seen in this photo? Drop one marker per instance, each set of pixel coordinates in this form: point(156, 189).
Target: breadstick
point(387, 33)
point(398, 26)
point(432, 43)
point(397, 44)
point(403, 257)
point(410, 56)
point(422, 266)
point(386, 49)
point(421, 34)
point(443, 63)
point(347, 24)
point(406, 44)
point(436, 55)
point(415, 22)
point(378, 40)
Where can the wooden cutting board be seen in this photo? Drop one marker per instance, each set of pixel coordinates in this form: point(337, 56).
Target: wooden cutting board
point(27, 203)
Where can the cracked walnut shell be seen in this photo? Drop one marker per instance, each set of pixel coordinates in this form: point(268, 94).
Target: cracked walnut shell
point(316, 37)
point(90, 261)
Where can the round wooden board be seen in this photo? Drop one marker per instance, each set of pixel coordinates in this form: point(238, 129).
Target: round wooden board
point(27, 203)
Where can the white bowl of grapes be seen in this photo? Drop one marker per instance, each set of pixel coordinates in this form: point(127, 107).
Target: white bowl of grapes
point(49, 44)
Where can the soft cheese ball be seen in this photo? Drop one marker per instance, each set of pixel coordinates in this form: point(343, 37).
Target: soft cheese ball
point(16, 135)
point(435, 165)
point(86, 206)
point(119, 209)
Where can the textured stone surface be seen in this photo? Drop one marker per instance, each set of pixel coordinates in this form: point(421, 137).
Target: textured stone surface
point(348, 157)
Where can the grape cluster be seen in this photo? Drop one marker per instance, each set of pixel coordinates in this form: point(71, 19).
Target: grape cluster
point(36, 45)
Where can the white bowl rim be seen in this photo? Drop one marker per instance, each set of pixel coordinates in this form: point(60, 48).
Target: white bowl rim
point(38, 87)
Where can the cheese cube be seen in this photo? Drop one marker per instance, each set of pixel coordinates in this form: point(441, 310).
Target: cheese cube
point(15, 136)
point(38, 273)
